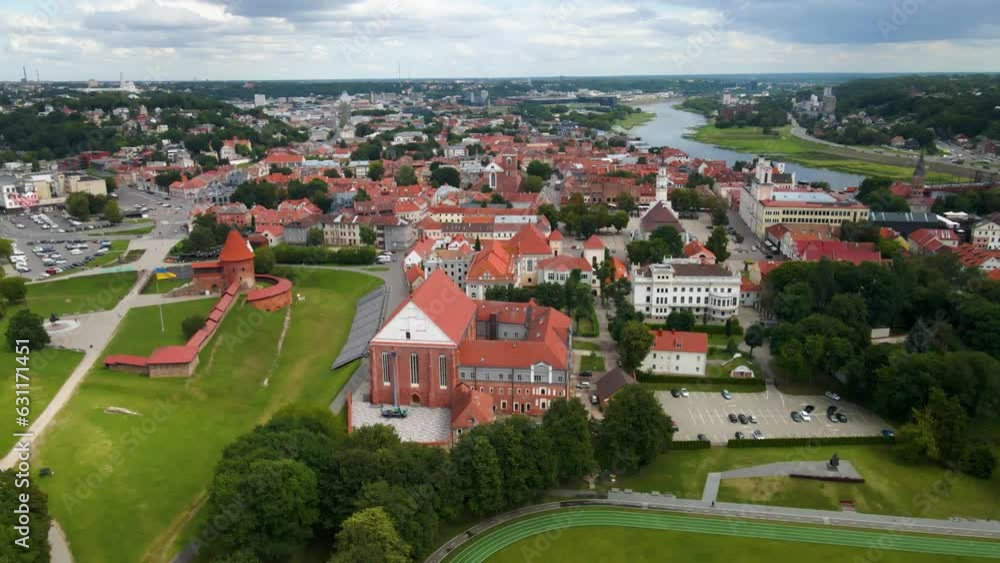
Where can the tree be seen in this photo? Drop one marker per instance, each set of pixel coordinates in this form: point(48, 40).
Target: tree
point(331, 173)
point(680, 319)
point(6, 248)
point(732, 347)
point(979, 461)
point(719, 215)
point(405, 176)
point(368, 235)
point(531, 184)
point(718, 243)
point(25, 325)
point(915, 441)
point(625, 203)
point(634, 345)
point(550, 213)
point(112, 212)
point(13, 289)
point(446, 175)
point(279, 506)
point(619, 220)
point(369, 536)
point(754, 337)
point(672, 238)
point(78, 206)
point(539, 169)
point(191, 325)
point(478, 471)
point(793, 303)
point(951, 425)
point(263, 260)
point(567, 423)
point(478, 245)
point(634, 431)
point(36, 546)
point(416, 525)
point(314, 237)
point(110, 184)
point(362, 195)
point(376, 170)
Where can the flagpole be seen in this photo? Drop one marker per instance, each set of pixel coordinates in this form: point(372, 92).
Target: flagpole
point(163, 328)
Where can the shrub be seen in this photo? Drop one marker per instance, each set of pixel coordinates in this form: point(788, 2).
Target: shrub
point(354, 256)
point(979, 461)
point(191, 325)
point(696, 380)
point(690, 445)
point(813, 442)
point(25, 325)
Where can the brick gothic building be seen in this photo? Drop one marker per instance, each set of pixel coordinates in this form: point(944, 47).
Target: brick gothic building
point(235, 264)
point(440, 347)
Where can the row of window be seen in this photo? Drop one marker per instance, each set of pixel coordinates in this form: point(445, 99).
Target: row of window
point(698, 289)
point(414, 369)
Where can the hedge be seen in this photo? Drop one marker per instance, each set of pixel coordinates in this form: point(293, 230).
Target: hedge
point(696, 380)
point(716, 330)
point(354, 256)
point(689, 445)
point(792, 442)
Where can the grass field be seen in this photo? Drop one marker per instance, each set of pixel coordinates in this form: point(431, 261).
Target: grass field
point(891, 487)
point(128, 488)
point(163, 286)
point(49, 369)
point(83, 294)
point(635, 119)
point(788, 147)
point(592, 362)
point(143, 230)
point(584, 345)
point(721, 371)
point(617, 535)
point(118, 248)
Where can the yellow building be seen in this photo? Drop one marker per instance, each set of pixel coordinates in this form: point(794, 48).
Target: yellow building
point(762, 206)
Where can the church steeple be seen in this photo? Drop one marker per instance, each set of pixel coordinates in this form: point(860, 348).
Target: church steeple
point(919, 172)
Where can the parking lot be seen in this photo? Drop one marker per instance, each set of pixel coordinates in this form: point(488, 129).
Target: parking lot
point(708, 414)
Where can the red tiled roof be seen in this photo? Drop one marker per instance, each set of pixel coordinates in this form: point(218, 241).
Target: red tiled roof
point(565, 263)
point(695, 247)
point(492, 263)
point(441, 300)
point(173, 355)
point(236, 249)
point(529, 240)
point(593, 243)
point(277, 287)
point(471, 408)
point(671, 340)
point(555, 236)
point(414, 273)
point(839, 251)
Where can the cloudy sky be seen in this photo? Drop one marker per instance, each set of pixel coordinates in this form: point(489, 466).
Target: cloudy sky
point(323, 39)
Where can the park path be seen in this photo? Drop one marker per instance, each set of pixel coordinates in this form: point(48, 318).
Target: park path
point(58, 546)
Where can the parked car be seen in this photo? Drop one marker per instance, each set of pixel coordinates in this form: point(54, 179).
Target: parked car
point(593, 399)
point(703, 437)
point(675, 393)
point(805, 416)
point(684, 392)
point(796, 416)
point(732, 418)
point(809, 409)
point(831, 409)
point(583, 385)
point(886, 433)
point(752, 419)
point(726, 394)
point(742, 418)
point(739, 436)
point(586, 373)
point(832, 396)
point(758, 435)
point(831, 416)
point(841, 417)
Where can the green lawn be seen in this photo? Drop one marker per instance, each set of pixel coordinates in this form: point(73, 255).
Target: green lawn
point(163, 286)
point(785, 146)
point(118, 248)
point(635, 119)
point(82, 294)
point(722, 370)
point(586, 325)
point(626, 544)
point(891, 487)
point(147, 475)
point(144, 230)
point(584, 345)
point(592, 362)
point(49, 369)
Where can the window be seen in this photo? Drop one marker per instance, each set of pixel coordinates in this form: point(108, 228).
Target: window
point(503, 405)
point(385, 368)
point(407, 335)
point(414, 370)
point(443, 370)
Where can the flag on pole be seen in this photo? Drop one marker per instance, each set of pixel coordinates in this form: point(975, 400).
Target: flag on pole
point(163, 274)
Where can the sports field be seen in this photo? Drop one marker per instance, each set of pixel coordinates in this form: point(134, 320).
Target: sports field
point(614, 535)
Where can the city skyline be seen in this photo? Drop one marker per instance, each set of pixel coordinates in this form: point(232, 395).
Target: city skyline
point(151, 40)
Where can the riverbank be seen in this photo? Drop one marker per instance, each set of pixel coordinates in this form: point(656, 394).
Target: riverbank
point(635, 119)
point(784, 146)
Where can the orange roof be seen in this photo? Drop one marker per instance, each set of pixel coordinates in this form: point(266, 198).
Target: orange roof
point(441, 300)
point(494, 261)
point(565, 263)
point(529, 240)
point(671, 340)
point(695, 247)
point(414, 273)
point(471, 407)
point(593, 243)
point(555, 236)
point(236, 249)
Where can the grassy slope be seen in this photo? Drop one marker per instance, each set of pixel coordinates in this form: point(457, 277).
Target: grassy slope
point(80, 295)
point(618, 544)
point(158, 469)
point(788, 147)
point(163, 286)
point(891, 487)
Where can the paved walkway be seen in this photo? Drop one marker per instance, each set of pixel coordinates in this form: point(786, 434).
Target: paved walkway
point(786, 468)
point(58, 546)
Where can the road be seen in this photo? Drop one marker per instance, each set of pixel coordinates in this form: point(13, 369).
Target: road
point(879, 156)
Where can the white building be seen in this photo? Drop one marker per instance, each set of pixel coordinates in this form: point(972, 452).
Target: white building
point(259, 100)
point(677, 353)
point(710, 291)
point(986, 233)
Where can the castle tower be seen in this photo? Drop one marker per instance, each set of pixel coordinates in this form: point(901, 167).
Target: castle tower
point(918, 174)
point(236, 260)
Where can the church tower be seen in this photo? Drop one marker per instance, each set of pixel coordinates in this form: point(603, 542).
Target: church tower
point(918, 175)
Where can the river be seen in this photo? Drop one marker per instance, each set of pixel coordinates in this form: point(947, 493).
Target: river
point(671, 124)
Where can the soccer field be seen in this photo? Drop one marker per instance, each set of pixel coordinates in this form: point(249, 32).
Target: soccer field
point(612, 535)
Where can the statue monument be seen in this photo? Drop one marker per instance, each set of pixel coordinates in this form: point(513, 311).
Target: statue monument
point(833, 464)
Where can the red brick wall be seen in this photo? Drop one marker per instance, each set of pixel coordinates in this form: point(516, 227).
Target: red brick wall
point(507, 392)
point(429, 391)
point(239, 271)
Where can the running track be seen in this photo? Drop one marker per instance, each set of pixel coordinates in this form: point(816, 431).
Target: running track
point(492, 542)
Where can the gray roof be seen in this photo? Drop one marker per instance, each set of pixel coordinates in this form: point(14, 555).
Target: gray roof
point(896, 217)
point(611, 382)
point(715, 270)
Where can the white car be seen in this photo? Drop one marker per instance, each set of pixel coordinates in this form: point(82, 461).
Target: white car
point(684, 392)
point(805, 416)
point(832, 396)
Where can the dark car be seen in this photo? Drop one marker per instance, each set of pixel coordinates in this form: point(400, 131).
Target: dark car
point(739, 435)
point(732, 418)
point(841, 417)
point(831, 409)
point(703, 437)
point(831, 416)
point(886, 433)
point(675, 393)
point(809, 409)
point(742, 418)
point(586, 373)
point(796, 416)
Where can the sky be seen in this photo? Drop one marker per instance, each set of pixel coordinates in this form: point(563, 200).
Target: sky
point(349, 39)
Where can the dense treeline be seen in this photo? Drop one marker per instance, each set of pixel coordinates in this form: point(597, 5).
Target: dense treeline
point(948, 105)
point(944, 375)
point(308, 255)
